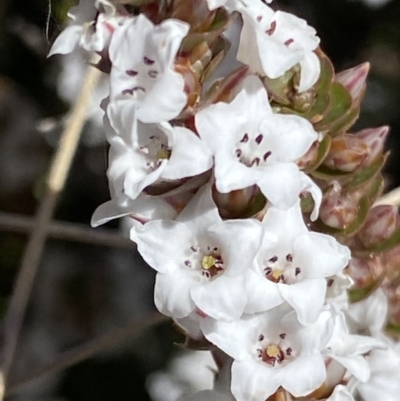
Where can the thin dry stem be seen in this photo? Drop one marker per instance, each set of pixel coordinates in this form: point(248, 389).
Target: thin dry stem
point(391, 198)
point(58, 173)
point(66, 231)
point(85, 351)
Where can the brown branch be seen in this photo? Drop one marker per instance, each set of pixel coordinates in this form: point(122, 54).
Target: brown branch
point(85, 351)
point(66, 231)
point(58, 173)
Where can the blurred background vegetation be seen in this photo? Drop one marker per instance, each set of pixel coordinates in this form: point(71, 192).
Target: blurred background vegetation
point(84, 290)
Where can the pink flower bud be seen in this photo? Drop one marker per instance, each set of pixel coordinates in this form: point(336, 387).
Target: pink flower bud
point(309, 158)
point(381, 223)
point(374, 138)
point(347, 153)
point(338, 210)
point(364, 272)
point(354, 80)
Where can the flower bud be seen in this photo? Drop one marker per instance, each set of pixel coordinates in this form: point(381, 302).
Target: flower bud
point(354, 80)
point(374, 138)
point(381, 223)
point(347, 153)
point(236, 203)
point(309, 158)
point(365, 272)
point(338, 210)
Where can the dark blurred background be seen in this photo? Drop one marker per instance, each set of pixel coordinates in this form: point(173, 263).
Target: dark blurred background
point(84, 290)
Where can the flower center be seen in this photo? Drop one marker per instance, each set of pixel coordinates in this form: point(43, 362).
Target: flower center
point(275, 352)
point(252, 150)
point(208, 261)
point(282, 271)
point(155, 151)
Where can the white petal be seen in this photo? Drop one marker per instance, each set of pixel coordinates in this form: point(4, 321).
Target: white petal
point(189, 156)
point(310, 71)
point(262, 294)
point(308, 185)
point(163, 244)
point(235, 338)
point(304, 375)
point(172, 292)
point(144, 208)
point(67, 40)
point(340, 393)
point(320, 255)
point(253, 381)
point(222, 298)
point(356, 365)
point(281, 184)
point(239, 241)
point(306, 298)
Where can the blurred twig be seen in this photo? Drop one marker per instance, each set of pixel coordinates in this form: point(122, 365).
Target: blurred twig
point(66, 231)
point(57, 177)
point(85, 351)
point(391, 198)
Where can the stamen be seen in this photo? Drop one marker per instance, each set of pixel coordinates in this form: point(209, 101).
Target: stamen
point(273, 259)
point(289, 42)
point(289, 351)
point(266, 155)
point(238, 153)
point(259, 18)
point(259, 353)
point(245, 138)
point(297, 271)
point(255, 161)
point(131, 73)
point(330, 282)
point(282, 335)
point(148, 61)
point(268, 271)
point(259, 138)
point(194, 248)
point(152, 74)
point(127, 92)
point(187, 263)
point(261, 337)
point(289, 257)
point(144, 150)
point(271, 29)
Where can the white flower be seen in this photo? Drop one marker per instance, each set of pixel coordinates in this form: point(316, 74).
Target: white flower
point(230, 5)
point(87, 31)
point(142, 56)
point(340, 393)
point(384, 383)
point(370, 314)
point(140, 154)
point(271, 350)
point(336, 294)
point(252, 145)
point(200, 259)
point(272, 43)
point(349, 349)
point(292, 265)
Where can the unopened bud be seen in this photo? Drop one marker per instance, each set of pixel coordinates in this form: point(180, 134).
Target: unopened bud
point(309, 158)
point(338, 210)
point(381, 223)
point(236, 204)
point(374, 138)
point(347, 153)
point(365, 272)
point(354, 80)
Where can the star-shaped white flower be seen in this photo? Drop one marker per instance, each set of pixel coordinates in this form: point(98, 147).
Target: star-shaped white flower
point(273, 42)
point(230, 5)
point(292, 265)
point(200, 259)
point(140, 154)
point(252, 145)
point(91, 33)
point(142, 56)
point(270, 350)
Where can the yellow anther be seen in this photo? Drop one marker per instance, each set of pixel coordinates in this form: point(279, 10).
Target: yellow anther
point(163, 153)
point(208, 262)
point(276, 274)
point(273, 351)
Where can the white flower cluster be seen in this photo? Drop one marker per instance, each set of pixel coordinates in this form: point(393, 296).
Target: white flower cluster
point(267, 292)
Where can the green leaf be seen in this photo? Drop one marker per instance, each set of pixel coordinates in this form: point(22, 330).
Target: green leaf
point(341, 103)
point(323, 150)
point(359, 294)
